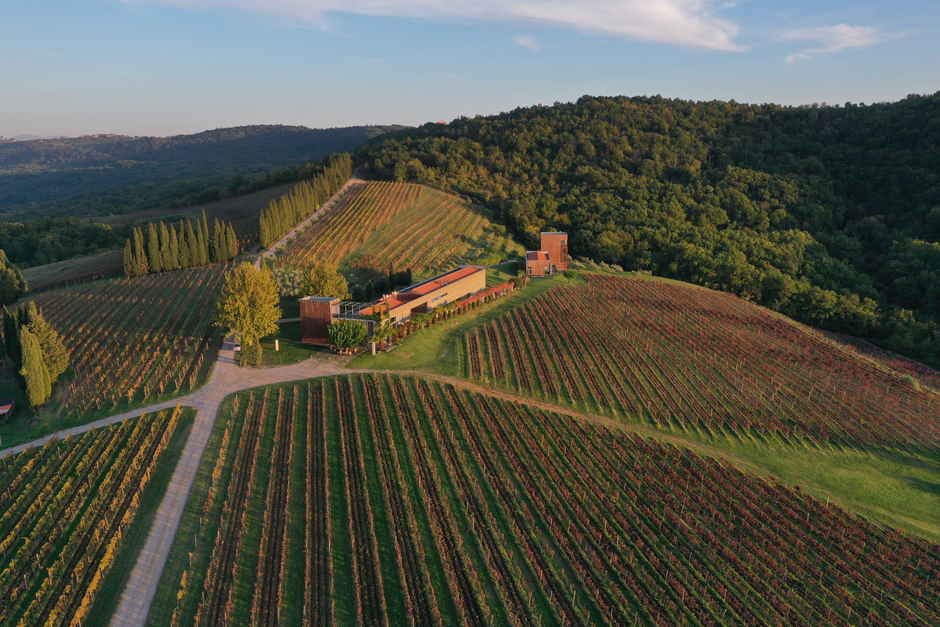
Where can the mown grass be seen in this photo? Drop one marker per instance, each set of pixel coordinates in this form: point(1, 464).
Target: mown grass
point(436, 348)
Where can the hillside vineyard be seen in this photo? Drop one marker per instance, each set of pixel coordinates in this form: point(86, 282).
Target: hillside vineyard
point(395, 501)
point(702, 359)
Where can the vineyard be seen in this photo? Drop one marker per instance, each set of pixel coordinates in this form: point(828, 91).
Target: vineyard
point(66, 508)
point(699, 359)
point(384, 224)
point(135, 339)
point(376, 500)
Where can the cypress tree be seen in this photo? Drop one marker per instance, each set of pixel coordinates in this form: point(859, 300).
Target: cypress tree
point(232, 241)
point(204, 238)
point(130, 268)
point(34, 372)
point(12, 283)
point(264, 229)
point(153, 249)
point(54, 353)
point(169, 263)
point(192, 244)
point(174, 244)
point(140, 256)
point(183, 248)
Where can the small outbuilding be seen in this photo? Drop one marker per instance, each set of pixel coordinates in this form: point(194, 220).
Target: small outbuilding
point(7, 406)
point(551, 259)
point(316, 314)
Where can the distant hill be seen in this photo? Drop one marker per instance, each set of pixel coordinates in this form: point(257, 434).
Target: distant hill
point(111, 174)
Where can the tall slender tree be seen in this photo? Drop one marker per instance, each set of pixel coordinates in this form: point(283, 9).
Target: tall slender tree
point(140, 254)
point(34, 371)
point(130, 268)
point(54, 353)
point(169, 264)
point(153, 249)
point(183, 255)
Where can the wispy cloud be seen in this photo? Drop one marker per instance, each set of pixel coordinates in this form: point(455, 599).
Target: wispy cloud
point(833, 39)
point(527, 42)
point(683, 22)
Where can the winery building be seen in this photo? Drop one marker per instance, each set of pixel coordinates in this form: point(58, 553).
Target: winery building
point(552, 258)
point(318, 312)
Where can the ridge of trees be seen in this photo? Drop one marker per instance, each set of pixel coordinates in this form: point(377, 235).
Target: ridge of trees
point(164, 249)
point(36, 350)
point(284, 213)
point(12, 283)
point(829, 214)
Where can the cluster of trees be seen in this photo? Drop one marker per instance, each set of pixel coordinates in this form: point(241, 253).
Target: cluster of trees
point(166, 249)
point(830, 214)
point(365, 292)
point(12, 283)
point(47, 240)
point(248, 305)
point(283, 213)
point(36, 350)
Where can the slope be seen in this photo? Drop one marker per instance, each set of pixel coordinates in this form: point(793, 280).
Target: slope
point(380, 225)
point(385, 500)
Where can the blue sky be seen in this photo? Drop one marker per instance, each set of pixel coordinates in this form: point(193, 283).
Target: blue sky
point(166, 67)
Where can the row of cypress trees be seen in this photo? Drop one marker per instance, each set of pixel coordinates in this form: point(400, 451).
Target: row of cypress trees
point(165, 249)
point(36, 349)
point(284, 213)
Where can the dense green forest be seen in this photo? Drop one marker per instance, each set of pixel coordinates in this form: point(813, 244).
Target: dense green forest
point(104, 175)
point(830, 214)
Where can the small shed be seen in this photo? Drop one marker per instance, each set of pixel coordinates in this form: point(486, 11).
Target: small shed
point(7, 406)
point(538, 263)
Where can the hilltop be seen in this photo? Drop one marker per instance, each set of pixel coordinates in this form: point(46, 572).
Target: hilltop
point(829, 214)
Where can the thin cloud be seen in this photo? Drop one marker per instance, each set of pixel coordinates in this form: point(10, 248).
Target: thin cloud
point(683, 22)
point(527, 42)
point(832, 38)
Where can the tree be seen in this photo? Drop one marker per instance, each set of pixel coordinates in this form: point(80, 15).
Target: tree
point(153, 249)
point(34, 372)
point(185, 261)
point(169, 263)
point(12, 284)
point(346, 334)
point(174, 246)
point(322, 279)
point(54, 353)
point(232, 242)
point(140, 255)
point(248, 305)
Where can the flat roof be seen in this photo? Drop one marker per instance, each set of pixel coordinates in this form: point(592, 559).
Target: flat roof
point(320, 299)
point(425, 288)
point(554, 233)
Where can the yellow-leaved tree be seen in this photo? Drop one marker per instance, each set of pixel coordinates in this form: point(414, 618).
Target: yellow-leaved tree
point(248, 306)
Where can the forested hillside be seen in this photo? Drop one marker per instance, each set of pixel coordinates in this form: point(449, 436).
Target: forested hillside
point(830, 214)
point(103, 175)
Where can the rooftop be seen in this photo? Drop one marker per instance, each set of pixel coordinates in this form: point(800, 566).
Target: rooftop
point(405, 297)
point(537, 255)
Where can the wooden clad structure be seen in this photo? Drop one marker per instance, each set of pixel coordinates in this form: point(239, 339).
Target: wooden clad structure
point(316, 314)
point(556, 245)
point(537, 263)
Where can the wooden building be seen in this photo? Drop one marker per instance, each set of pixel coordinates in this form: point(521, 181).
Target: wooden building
point(316, 314)
point(552, 258)
point(538, 263)
point(556, 245)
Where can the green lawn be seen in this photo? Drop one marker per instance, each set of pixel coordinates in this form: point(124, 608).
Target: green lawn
point(290, 349)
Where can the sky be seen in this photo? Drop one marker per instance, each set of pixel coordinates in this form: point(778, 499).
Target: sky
point(169, 67)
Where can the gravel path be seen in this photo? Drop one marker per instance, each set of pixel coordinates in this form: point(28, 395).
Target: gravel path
point(226, 379)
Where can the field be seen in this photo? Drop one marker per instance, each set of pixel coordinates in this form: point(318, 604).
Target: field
point(67, 509)
point(408, 226)
point(703, 360)
point(131, 340)
point(77, 270)
point(391, 501)
point(241, 211)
